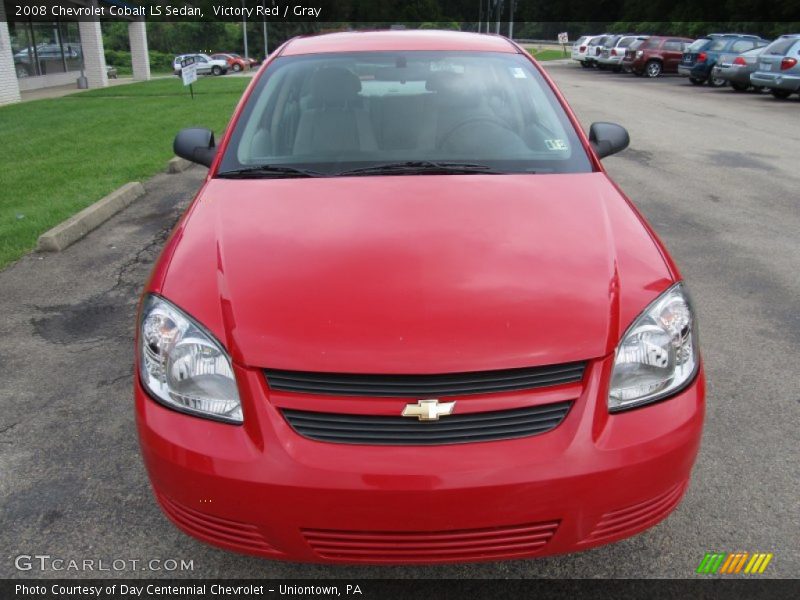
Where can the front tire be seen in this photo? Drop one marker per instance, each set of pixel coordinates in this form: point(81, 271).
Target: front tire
point(215, 70)
point(237, 67)
point(653, 68)
point(781, 94)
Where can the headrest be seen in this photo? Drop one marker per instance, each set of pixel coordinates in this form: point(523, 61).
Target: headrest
point(334, 86)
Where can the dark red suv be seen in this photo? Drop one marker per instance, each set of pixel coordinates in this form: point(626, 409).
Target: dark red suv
point(655, 55)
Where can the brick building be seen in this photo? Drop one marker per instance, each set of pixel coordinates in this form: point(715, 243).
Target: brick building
point(36, 54)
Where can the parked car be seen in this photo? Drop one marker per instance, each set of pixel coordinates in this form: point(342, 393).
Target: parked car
point(609, 41)
point(111, 72)
point(657, 55)
point(611, 55)
point(630, 52)
point(466, 343)
point(579, 48)
point(205, 64)
point(702, 55)
point(778, 68)
point(737, 68)
point(593, 50)
point(235, 63)
point(254, 62)
point(582, 53)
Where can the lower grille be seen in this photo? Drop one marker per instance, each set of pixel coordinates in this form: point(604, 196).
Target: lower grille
point(630, 520)
point(432, 546)
point(231, 534)
point(454, 429)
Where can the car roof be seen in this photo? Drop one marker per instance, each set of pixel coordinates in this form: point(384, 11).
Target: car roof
point(741, 35)
point(398, 40)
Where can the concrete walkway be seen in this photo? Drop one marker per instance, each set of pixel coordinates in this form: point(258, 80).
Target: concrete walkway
point(65, 90)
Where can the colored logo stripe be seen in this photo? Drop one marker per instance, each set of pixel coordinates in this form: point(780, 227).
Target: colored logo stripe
point(758, 563)
point(725, 563)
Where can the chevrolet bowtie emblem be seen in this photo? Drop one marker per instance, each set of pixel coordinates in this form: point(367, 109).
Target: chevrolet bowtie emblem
point(429, 410)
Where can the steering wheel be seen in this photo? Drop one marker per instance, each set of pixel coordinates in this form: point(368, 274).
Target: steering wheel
point(470, 121)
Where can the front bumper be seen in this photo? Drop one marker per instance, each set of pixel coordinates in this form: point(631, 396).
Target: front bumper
point(262, 489)
point(777, 80)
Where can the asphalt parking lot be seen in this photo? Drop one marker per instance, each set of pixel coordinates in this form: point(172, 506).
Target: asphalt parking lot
point(714, 171)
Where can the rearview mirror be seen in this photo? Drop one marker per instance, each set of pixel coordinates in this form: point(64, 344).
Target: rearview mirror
point(608, 138)
point(195, 144)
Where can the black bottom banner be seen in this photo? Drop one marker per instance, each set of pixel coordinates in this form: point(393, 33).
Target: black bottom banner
point(456, 589)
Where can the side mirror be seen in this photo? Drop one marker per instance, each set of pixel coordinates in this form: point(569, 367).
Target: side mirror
point(195, 144)
point(608, 138)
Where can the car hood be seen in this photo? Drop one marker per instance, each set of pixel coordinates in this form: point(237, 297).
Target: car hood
point(404, 274)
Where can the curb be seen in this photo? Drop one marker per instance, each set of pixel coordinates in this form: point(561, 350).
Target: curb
point(77, 226)
point(177, 164)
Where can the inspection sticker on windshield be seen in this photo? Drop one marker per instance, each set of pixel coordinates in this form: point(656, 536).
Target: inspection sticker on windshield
point(517, 72)
point(555, 144)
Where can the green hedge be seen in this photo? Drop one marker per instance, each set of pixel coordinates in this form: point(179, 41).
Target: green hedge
point(121, 59)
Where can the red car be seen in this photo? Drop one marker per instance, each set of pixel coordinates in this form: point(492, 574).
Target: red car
point(409, 318)
point(235, 62)
point(655, 55)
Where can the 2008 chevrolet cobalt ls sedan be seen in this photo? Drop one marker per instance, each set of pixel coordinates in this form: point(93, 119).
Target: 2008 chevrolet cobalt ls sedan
point(409, 318)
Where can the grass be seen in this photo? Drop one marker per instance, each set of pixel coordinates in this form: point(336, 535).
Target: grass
point(63, 154)
point(543, 55)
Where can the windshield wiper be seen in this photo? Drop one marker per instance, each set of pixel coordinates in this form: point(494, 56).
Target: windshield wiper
point(413, 167)
point(264, 171)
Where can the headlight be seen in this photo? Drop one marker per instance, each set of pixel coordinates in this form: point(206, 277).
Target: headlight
point(639, 53)
point(658, 354)
point(183, 366)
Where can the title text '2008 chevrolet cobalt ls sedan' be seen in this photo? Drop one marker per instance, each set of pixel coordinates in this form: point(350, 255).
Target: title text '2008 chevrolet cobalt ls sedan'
point(409, 318)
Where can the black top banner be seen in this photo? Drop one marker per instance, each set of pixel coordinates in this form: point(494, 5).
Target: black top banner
point(441, 13)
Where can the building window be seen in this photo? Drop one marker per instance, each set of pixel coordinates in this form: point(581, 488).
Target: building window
point(44, 48)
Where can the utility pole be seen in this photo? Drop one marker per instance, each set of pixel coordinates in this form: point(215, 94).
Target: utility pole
point(511, 6)
point(244, 32)
point(266, 33)
point(499, 5)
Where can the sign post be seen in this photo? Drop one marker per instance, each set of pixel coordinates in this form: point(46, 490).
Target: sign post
point(563, 39)
point(189, 73)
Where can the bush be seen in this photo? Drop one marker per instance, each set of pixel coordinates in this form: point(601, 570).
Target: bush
point(160, 62)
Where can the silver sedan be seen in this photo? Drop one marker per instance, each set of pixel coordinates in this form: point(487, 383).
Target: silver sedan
point(736, 68)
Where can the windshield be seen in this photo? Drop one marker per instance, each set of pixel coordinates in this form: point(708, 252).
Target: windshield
point(718, 44)
point(698, 45)
point(332, 113)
